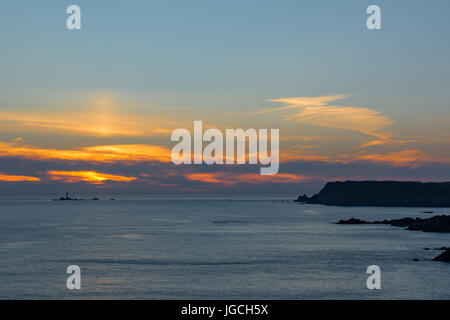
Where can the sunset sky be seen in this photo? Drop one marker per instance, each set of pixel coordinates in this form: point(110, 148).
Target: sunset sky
point(91, 111)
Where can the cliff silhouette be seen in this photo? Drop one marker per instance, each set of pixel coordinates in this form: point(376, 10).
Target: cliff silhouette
point(382, 194)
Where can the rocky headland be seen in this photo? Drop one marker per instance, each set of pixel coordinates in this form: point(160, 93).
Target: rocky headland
point(382, 194)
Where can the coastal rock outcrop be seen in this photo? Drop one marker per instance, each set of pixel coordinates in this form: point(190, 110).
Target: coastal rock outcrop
point(444, 256)
point(433, 224)
point(353, 221)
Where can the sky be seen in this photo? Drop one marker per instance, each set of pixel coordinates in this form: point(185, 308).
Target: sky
point(91, 111)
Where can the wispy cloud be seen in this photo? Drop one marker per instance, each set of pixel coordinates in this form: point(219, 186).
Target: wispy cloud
point(398, 158)
point(16, 178)
point(318, 111)
point(230, 179)
point(401, 158)
point(98, 123)
point(102, 153)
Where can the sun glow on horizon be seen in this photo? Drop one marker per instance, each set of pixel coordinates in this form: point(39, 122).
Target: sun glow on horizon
point(87, 176)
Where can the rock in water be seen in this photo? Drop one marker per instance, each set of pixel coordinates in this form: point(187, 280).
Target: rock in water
point(352, 221)
point(303, 198)
point(444, 256)
point(434, 224)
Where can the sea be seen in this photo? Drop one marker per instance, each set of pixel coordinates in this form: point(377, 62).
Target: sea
point(141, 248)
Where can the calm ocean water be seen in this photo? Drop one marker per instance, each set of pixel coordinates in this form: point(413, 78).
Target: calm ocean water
point(213, 249)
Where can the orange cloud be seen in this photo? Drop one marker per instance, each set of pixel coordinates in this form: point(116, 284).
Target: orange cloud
point(218, 177)
point(400, 158)
point(228, 179)
point(87, 176)
point(14, 178)
point(407, 157)
point(134, 153)
point(104, 154)
point(100, 123)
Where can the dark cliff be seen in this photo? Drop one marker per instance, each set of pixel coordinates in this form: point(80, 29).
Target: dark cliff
point(382, 193)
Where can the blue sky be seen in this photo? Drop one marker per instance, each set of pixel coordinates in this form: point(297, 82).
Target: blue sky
point(224, 60)
point(202, 50)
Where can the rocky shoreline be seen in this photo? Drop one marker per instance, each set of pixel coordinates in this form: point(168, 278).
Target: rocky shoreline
point(433, 224)
point(444, 256)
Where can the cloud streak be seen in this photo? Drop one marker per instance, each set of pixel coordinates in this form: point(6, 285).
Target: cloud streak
point(102, 153)
point(17, 178)
point(87, 176)
point(97, 124)
point(228, 179)
point(318, 111)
